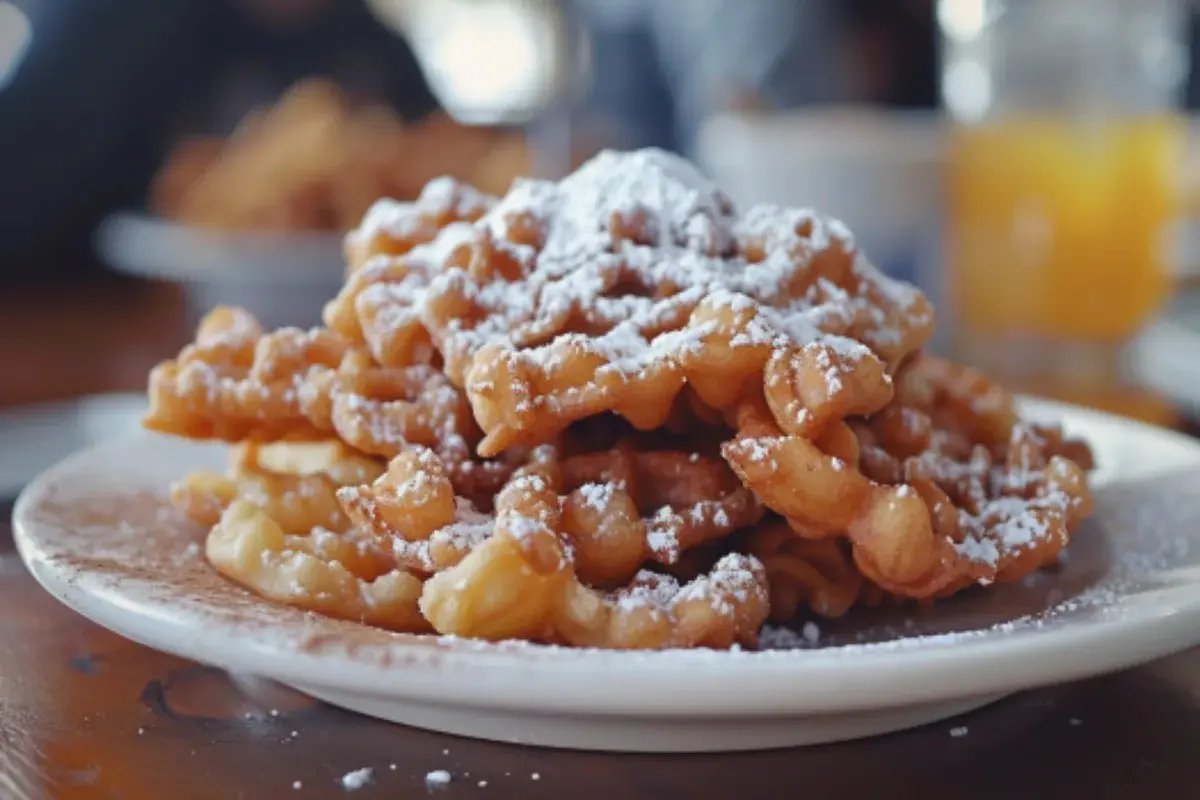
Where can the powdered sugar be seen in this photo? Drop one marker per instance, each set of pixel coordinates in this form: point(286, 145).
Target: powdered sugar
point(1006, 506)
point(979, 549)
point(406, 221)
point(469, 529)
point(660, 534)
point(437, 779)
point(392, 217)
point(520, 527)
point(648, 589)
point(762, 449)
point(1008, 526)
point(671, 199)
point(434, 406)
point(731, 582)
point(192, 552)
point(445, 193)
point(357, 779)
point(776, 637)
point(626, 247)
point(597, 496)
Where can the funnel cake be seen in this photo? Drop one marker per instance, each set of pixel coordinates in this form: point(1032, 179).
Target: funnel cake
point(609, 412)
point(613, 289)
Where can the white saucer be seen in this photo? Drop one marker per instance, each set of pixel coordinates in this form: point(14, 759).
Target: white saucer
point(97, 533)
point(283, 277)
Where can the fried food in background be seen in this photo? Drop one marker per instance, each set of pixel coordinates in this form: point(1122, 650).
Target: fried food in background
point(316, 160)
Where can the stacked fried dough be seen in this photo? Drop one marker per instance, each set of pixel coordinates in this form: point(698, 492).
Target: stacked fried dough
point(317, 161)
point(609, 412)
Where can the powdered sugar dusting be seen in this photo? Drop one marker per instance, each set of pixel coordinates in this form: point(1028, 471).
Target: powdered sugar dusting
point(1005, 506)
point(1008, 526)
point(660, 534)
point(598, 496)
point(627, 247)
point(357, 779)
point(731, 582)
point(733, 579)
point(389, 216)
point(520, 527)
point(647, 589)
point(406, 221)
point(447, 545)
point(437, 779)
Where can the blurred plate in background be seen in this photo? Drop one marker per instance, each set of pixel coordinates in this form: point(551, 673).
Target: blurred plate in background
point(878, 171)
point(34, 437)
point(283, 278)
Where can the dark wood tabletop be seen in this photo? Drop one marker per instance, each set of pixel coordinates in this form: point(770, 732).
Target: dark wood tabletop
point(86, 714)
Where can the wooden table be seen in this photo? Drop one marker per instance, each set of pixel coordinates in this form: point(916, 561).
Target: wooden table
point(86, 714)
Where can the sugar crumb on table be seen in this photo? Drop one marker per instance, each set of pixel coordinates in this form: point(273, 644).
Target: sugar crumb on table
point(437, 779)
point(357, 779)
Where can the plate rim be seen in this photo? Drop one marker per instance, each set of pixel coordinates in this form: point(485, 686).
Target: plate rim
point(827, 680)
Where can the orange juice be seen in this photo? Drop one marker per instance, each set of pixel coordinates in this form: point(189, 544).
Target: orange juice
point(1060, 229)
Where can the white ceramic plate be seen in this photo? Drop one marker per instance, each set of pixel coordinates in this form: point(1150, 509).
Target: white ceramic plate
point(284, 278)
point(35, 437)
point(97, 533)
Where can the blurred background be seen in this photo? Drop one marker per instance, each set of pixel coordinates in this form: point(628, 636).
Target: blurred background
point(1032, 164)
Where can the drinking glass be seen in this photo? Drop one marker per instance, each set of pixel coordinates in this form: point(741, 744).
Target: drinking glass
point(1063, 190)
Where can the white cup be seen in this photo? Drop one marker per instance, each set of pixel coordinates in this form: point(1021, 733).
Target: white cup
point(878, 171)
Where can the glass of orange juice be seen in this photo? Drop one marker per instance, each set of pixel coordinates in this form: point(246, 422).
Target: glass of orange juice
point(1064, 155)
